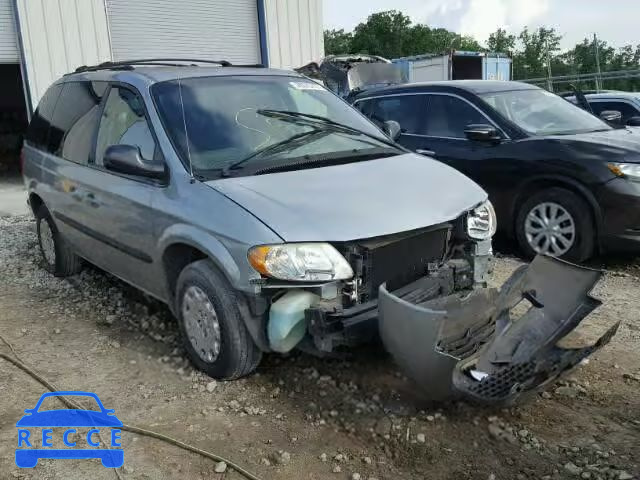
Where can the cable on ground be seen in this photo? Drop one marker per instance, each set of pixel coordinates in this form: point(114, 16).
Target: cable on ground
point(17, 361)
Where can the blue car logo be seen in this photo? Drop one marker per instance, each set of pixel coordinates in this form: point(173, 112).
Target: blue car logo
point(103, 424)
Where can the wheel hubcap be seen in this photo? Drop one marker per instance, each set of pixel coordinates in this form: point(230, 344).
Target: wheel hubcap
point(550, 229)
point(47, 243)
point(201, 323)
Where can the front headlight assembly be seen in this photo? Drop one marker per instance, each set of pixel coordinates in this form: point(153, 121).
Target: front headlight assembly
point(300, 262)
point(481, 222)
point(626, 170)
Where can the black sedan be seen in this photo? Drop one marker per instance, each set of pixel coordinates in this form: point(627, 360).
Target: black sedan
point(562, 181)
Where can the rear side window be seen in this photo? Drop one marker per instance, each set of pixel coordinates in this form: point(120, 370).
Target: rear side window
point(75, 119)
point(38, 131)
point(407, 110)
point(449, 116)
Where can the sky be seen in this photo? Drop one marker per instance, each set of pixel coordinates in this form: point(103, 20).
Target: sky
point(615, 21)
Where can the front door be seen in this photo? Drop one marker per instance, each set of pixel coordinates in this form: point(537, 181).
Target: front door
point(117, 207)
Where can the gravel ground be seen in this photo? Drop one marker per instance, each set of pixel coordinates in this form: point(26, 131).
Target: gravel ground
point(301, 417)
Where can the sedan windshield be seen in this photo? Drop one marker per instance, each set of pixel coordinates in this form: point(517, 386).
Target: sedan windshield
point(539, 112)
point(225, 123)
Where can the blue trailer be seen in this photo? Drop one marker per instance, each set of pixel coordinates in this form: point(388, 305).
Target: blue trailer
point(456, 65)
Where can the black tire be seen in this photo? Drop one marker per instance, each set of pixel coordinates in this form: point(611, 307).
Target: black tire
point(65, 261)
point(583, 246)
point(238, 354)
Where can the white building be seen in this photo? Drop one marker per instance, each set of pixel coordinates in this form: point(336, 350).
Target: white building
point(40, 40)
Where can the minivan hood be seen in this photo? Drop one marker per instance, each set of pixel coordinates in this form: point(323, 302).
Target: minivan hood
point(357, 200)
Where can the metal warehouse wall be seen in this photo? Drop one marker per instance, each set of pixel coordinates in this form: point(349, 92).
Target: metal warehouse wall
point(294, 32)
point(58, 36)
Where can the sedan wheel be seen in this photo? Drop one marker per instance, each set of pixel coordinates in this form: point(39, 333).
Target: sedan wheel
point(556, 222)
point(550, 229)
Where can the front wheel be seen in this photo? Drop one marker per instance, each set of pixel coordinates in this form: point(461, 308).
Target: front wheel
point(558, 223)
point(213, 330)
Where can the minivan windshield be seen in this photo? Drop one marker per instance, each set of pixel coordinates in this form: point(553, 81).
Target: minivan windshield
point(539, 112)
point(232, 122)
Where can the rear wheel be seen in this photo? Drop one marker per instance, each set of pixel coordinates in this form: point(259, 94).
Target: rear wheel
point(558, 223)
point(59, 258)
point(213, 330)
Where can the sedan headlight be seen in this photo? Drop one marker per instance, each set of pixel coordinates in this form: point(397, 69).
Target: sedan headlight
point(627, 170)
point(481, 222)
point(300, 262)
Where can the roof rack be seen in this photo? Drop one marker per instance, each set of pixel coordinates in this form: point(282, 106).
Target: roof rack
point(166, 62)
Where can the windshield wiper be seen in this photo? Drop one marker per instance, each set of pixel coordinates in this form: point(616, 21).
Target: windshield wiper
point(294, 140)
point(311, 119)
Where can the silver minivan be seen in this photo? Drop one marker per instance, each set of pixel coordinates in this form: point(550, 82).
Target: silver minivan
point(269, 215)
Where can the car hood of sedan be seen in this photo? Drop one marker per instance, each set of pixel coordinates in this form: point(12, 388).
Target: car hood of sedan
point(357, 200)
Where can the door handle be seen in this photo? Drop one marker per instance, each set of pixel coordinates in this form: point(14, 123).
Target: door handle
point(421, 151)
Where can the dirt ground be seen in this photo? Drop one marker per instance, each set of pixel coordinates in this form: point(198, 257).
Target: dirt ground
point(300, 417)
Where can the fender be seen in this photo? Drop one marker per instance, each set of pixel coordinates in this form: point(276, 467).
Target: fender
point(222, 258)
point(200, 239)
point(558, 179)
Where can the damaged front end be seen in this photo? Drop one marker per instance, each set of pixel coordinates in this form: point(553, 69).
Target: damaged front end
point(470, 344)
point(346, 75)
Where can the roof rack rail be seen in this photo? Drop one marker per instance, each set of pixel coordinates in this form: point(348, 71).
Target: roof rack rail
point(167, 62)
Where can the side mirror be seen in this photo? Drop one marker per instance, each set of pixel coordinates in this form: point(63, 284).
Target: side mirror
point(633, 122)
point(128, 159)
point(482, 133)
point(392, 129)
point(611, 116)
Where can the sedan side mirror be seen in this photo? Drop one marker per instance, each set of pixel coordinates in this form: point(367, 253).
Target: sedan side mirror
point(127, 159)
point(611, 116)
point(392, 129)
point(633, 122)
point(482, 133)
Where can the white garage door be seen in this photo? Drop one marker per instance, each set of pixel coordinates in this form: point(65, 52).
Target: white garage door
point(208, 29)
point(8, 37)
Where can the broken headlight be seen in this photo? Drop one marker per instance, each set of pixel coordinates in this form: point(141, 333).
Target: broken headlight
point(481, 222)
point(300, 262)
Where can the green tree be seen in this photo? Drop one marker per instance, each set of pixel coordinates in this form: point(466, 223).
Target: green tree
point(384, 33)
point(337, 42)
point(530, 61)
point(501, 41)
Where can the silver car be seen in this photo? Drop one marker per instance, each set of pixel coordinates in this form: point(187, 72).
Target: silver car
point(270, 215)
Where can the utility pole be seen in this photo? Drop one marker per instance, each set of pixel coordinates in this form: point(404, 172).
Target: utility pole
point(549, 82)
point(599, 73)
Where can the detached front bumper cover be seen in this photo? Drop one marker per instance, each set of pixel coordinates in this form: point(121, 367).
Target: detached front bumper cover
point(469, 346)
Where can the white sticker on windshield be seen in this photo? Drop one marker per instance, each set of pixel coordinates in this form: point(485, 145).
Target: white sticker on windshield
point(306, 86)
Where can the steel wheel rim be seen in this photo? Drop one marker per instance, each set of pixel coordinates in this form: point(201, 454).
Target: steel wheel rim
point(550, 229)
point(201, 323)
point(47, 243)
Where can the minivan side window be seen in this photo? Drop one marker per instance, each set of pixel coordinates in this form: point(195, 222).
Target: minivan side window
point(38, 131)
point(75, 120)
point(123, 122)
point(448, 116)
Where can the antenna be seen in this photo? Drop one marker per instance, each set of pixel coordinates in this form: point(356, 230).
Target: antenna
point(186, 132)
